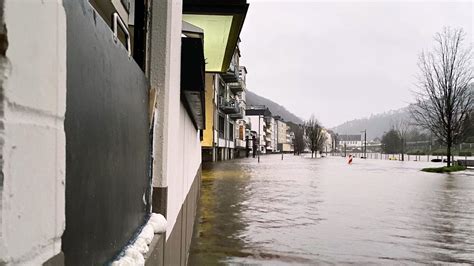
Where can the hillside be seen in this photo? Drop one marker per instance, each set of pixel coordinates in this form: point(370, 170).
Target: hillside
point(376, 125)
point(275, 108)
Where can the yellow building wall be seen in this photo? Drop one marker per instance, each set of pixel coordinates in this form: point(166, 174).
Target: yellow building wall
point(208, 138)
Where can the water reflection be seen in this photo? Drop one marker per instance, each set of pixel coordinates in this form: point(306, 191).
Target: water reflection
point(223, 193)
point(450, 228)
point(303, 211)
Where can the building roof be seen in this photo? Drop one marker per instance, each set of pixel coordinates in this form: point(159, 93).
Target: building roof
point(350, 137)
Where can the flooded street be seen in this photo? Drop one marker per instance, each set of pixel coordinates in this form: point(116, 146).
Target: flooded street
point(313, 211)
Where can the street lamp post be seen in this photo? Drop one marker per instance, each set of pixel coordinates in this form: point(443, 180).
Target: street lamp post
point(365, 143)
point(258, 152)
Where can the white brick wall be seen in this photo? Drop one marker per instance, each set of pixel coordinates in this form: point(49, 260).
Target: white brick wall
point(32, 214)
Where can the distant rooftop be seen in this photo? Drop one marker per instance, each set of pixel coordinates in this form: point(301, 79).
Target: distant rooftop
point(350, 137)
point(257, 110)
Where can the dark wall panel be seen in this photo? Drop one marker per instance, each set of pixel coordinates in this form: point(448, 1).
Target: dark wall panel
point(107, 141)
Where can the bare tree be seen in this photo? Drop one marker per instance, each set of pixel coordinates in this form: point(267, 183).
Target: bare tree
point(445, 99)
point(402, 126)
point(315, 134)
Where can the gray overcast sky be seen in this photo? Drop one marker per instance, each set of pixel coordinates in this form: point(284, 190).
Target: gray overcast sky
point(342, 60)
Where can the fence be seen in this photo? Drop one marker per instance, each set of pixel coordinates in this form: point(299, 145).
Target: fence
point(407, 157)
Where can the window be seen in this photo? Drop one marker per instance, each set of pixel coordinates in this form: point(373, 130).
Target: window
point(231, 131)
point(129, 18)
point(220, 92)
point(107, 8)
point(221, 126)
point(221, 88)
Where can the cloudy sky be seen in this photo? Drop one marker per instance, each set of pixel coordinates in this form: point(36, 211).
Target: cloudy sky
point(342, 60)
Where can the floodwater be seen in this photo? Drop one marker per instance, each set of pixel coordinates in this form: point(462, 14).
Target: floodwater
point(303, 211)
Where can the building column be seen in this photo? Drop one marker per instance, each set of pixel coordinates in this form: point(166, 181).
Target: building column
point(157, 69)
point(32, 138)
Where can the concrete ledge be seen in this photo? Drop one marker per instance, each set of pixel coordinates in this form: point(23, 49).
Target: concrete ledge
point(57, 260)
point(155, 256)
point(160, 200)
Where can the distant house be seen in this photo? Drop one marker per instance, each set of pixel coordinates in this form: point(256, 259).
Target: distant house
point(284, 136)
point(328, 142)
point(350, 141)
point(261, 122)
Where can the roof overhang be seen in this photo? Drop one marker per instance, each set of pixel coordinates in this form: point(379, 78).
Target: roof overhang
point(260, 111)
point(222, 23)
point(192, 74)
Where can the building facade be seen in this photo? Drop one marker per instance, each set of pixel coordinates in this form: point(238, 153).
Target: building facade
point(102, 115)
point(349, 141)
point(260, 123)
point(284, 136)
point(226, 132)
point(270, 134)
point(328, 143)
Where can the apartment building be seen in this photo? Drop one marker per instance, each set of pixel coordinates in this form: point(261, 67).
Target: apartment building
point(260, 123)
point(270, 134)
point(226, 132)
point(284, 136)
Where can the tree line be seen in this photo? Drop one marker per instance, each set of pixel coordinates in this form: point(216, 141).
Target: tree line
point(311, 134)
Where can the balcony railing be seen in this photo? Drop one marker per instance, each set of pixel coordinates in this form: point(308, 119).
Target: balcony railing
point(231, 75)
point(229, 106)
point(238, 115)
point(237, 86)
point(240, 143)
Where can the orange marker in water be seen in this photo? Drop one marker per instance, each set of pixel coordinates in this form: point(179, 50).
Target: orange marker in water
point(350, 159)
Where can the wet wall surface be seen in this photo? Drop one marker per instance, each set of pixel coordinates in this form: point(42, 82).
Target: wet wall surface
point(312, 211)
point(107, 141)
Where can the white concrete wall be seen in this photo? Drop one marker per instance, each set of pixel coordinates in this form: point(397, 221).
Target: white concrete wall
point(184, 144)
point(184, 161)
point(254, 127)
point(328, 142)
point(32, 209)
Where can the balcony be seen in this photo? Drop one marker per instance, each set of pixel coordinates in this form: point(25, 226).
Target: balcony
point(238, 115)
point(240, 143)
point(231, 75)
point(238, 86)
point(269, 145)
point(229, 106)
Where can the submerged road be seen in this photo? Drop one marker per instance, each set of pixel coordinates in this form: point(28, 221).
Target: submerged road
point(316, 211)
